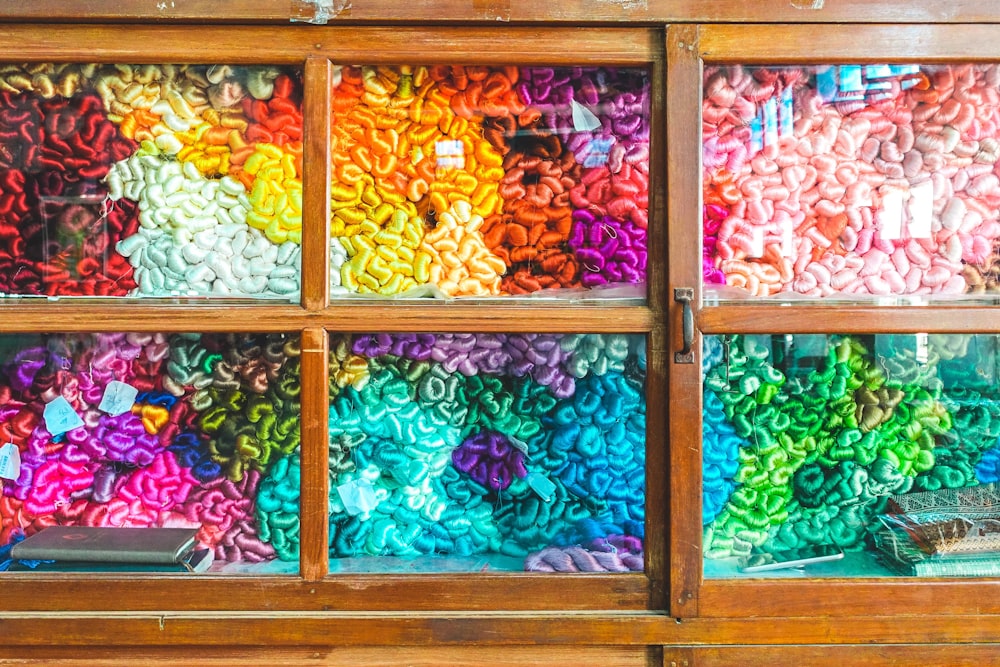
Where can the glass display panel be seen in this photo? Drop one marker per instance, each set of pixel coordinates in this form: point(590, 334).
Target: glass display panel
point(170, 181)
point(153, 431)
point(475, 452)
point(871, 455)
point(452, 181)
point(851, 182)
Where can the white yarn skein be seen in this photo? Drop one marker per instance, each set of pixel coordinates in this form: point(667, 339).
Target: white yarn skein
point(193, 239)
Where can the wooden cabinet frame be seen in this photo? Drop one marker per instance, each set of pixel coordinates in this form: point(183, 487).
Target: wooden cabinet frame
point(315, 50)
point(688, 49)
point(621, 619)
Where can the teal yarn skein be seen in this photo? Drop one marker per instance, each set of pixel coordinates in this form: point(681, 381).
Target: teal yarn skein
point(278, 507)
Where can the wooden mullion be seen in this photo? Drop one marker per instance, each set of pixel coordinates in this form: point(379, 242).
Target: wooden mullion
point(655, 544)
point(684, 268)
point(313, 505)
point(316, 114)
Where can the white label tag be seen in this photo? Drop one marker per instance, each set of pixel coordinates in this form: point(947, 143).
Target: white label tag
point(358, 496)
point(10, 461)
point(756, 241)
point(541, 485)
point(118, 398)
point(60, 416)
point(890, 217)
point(921, 209)
point(584, 119)
point(519, 445)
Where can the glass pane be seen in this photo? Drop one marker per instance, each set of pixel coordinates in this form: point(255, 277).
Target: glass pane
point(171, 181)
point(851, 182)
point(488, 181)
point(882, 448)
point(468, 452)
point(153, 431)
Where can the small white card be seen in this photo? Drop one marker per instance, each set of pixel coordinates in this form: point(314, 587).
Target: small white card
point(60, 417)
point(921, 210)
point(358, 496)
point(10, 461)
point(584, 119)
point(890, 217)
point(118, 398)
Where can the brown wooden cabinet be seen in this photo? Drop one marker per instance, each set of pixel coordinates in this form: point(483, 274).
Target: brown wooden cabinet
point(670, 614)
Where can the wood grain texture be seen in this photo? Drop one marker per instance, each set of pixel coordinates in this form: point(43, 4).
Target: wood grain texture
point(314, 630)
point(914, 655)
point(764, 318)
point(655, 544)
point(379, 592)
point(346, 316)
point(358, 656)
point(510, 11)
point(845, 597)
point(315, 480)
point(235, 631)
point(683, 174)
point(317, 115)
point(290, 46)
point(809, 44)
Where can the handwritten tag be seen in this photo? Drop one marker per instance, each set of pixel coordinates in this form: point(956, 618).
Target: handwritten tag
point(584, 119)
point(358, 496)
point(118, 398)
point(890, 217)
point(921, 209)
point(541, 485)
point(10, 461)
point(60, 417)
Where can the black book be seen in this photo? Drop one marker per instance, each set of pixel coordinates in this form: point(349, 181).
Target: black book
point(107, 544)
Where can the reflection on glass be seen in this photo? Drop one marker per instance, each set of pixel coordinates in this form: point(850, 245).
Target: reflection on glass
point(487, 451)
point(150, 180)
point(152, 430)
point(488, 181)
point(882, 447)
point(851, 181)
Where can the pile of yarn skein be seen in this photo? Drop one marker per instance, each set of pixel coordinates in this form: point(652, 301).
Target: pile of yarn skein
point(150, 180)
point(480, 181)
point(147, 430)
point(527, 445)
point(862, 180)
point(805, 448)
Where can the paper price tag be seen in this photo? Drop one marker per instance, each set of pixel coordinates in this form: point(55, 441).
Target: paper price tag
point(118, 398)
point(519, 445)
point(541, 485)
point(756, 242)
point(60, 417)
point(10, 461)
point(584, 119)
point(358, 496)
point(890, 216)
point(921, 210)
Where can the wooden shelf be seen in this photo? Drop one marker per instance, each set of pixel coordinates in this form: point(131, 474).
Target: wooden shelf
point(670, 615)
point(512, 11)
